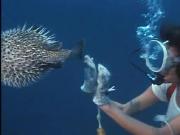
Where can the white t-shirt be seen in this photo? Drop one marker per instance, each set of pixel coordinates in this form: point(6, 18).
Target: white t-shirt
point(173, 109)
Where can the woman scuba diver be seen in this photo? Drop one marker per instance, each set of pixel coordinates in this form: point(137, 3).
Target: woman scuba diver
point(97, 82)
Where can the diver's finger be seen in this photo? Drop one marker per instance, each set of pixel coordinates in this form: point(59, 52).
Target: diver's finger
point(87, 58)
point(111, 89)
point(92, 59)
point(89, 61)
point(103, 71)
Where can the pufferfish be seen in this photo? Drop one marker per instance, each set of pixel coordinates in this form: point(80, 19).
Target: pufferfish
point(27, 53)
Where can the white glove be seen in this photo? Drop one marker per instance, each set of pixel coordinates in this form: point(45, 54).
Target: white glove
point(100, 97)
point(90, 74)
point(96, 84)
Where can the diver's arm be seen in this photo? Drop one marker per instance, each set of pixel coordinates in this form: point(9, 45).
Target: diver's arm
point(137, 127)
point(139, 103)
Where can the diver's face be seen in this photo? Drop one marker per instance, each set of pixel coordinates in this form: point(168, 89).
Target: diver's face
point(173, 51)
point(171, 76)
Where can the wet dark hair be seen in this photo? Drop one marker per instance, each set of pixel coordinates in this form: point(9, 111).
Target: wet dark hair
point(178, 70)
point(171, 33)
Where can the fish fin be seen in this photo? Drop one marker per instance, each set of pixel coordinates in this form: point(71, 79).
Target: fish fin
point(78, 50)
point(47, 66)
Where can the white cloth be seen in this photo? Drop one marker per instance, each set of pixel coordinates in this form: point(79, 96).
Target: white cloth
point(173, 109)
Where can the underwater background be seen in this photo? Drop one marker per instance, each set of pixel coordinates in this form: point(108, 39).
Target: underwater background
point(55, 105)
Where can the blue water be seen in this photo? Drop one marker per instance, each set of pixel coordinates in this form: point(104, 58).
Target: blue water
point(55, 105)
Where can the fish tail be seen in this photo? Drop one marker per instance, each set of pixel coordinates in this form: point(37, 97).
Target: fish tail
point(78, 50)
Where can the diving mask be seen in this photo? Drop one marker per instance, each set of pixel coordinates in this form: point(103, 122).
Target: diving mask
point(158, 58)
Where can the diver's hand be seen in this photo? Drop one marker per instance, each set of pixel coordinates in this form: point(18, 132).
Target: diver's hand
point(96, 82)
point(90, 73)
point(103, 78)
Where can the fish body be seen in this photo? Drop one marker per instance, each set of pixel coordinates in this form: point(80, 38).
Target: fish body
point(26, 53)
